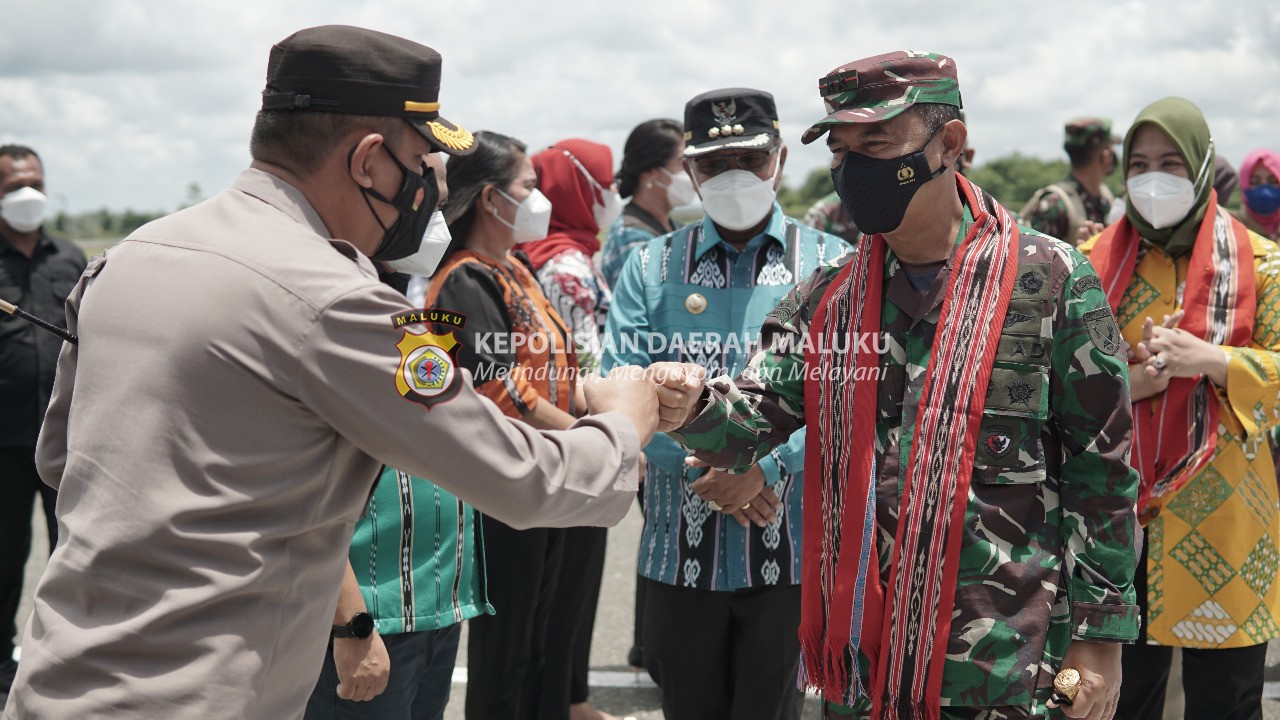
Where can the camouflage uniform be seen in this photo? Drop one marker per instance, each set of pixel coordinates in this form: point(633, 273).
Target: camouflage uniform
point(1050, 537)
point(1052, 217)
point(830, 216)
point(1048, 210)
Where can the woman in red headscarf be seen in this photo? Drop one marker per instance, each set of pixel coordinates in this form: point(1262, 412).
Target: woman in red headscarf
point(577, 177)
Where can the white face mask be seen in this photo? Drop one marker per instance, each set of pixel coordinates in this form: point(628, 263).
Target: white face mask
point(610, 211)
point(435, 241)
point(23, 209)
point(1163, 199)
point(680, 191)
point(737, 199)
point(533, 216)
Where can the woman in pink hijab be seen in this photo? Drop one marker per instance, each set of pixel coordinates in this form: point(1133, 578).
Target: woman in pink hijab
point(1260, 184)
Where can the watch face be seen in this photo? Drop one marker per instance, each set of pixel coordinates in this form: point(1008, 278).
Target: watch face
point(361, 625)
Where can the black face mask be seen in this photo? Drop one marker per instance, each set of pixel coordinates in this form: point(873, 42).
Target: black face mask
point(877, 192)
point(416, 201)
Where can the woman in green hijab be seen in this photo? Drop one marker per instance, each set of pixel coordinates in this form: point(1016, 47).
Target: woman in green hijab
point(1198, 298)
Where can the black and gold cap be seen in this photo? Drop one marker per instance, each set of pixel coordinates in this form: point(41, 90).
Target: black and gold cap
point(345, 69)
point(729, 118)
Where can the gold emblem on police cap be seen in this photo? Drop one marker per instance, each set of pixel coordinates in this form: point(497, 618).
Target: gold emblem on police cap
point(696, 303)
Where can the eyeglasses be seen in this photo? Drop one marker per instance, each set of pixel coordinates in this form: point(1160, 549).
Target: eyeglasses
point(718, 163)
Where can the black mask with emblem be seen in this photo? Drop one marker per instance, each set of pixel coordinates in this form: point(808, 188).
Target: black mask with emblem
point(415, 202)
point(876, 192)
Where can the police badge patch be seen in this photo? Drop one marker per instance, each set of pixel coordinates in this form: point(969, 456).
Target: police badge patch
point(1103, 330)
point(428, 373)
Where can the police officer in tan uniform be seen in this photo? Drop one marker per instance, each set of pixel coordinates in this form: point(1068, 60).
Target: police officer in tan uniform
point(241, 377)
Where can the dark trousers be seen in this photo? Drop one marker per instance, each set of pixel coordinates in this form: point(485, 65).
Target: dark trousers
point(1218, 684)
point(637, 640)
point(721, 655)
point(19, 485)
point(506, 652)
point(417, 689)
point(571, 620)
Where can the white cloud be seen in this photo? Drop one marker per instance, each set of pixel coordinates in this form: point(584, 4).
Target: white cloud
point(128, 101)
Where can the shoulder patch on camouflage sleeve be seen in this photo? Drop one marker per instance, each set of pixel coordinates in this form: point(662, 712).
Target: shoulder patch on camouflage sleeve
point(1079, 287)
point(1103, 330)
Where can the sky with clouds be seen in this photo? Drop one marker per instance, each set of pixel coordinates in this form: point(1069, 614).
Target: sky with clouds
point(130, 101)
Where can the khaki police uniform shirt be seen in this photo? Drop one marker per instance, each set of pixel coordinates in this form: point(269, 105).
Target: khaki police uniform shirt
point(213, 439)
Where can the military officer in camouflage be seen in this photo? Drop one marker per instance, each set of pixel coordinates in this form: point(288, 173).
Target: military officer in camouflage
point(1061, 209)
point(969, 509)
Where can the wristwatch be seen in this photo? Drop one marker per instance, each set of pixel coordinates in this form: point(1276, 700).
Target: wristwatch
point(359, 627)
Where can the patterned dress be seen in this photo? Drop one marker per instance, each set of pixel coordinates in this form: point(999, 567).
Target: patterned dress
point(689, 296)
point(1212, 546)
point(633, 229)
point(579, 294)
point(515, 345)
point(1050, 538)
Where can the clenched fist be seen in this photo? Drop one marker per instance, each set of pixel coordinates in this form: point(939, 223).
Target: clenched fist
point(626, 390)
point(679, 387)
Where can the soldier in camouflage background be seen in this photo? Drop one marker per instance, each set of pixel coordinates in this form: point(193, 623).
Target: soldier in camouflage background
point(1016, 553)
point(830, 216)
point(1061, 209)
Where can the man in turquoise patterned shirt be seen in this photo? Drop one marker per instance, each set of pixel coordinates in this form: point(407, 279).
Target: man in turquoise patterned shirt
point(720, 553)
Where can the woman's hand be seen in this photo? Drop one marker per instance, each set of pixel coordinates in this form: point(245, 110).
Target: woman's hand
point(1177, 353)
point(1142, 385)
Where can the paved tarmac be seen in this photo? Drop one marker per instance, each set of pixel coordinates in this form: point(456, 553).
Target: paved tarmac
point(615, 688)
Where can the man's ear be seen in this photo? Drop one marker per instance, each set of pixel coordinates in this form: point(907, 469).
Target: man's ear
point(954, 137)
point(361, 162)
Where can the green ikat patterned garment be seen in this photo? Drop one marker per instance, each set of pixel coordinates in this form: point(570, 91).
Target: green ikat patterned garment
point(415, 557)
point(1050, 538)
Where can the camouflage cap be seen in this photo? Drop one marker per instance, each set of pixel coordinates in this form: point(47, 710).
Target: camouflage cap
point(1085, 132)
point(881, 87)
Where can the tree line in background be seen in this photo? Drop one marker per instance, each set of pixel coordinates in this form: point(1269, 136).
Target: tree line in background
point(1012, 179)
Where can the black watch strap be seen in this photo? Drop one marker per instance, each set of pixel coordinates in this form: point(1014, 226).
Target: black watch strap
point(360, 627)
